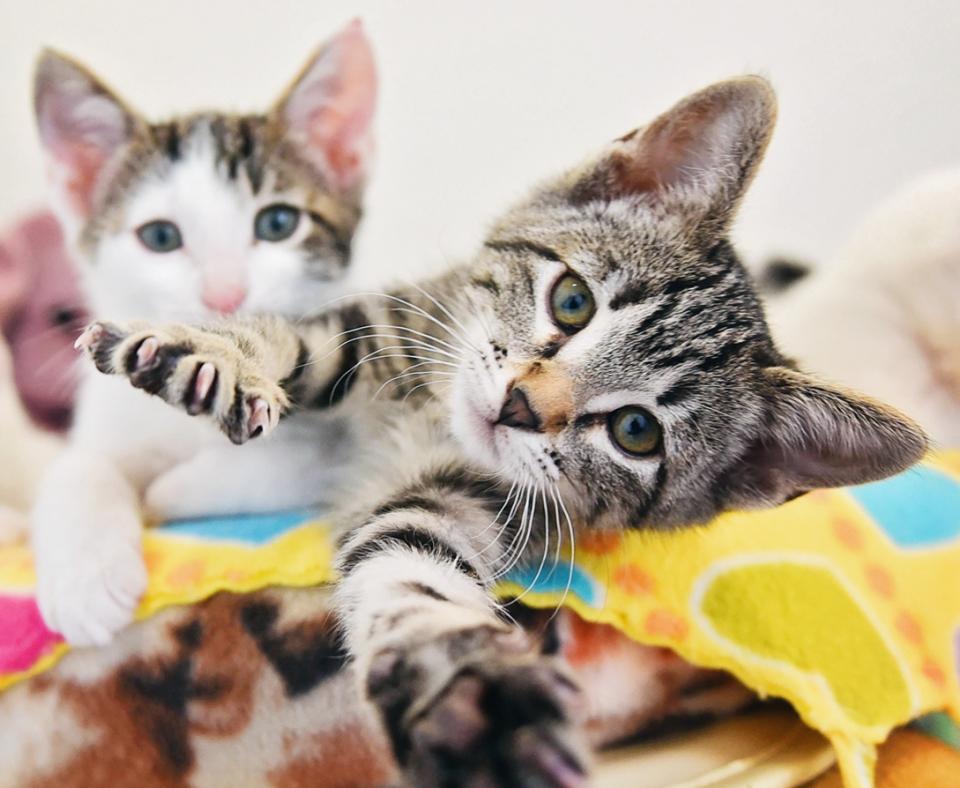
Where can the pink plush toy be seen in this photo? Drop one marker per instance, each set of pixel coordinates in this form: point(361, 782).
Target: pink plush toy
point(41, 314)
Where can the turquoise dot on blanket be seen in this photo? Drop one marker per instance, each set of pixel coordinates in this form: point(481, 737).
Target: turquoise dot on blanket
point(918, 508)
point(558, 578)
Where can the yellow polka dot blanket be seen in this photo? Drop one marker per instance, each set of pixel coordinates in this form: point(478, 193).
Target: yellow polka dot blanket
point(846, 603)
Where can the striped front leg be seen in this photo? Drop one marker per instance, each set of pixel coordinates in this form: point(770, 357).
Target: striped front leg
point(245, 372)
point(466, 698)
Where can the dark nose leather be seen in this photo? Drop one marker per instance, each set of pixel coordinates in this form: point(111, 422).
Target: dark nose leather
point(516, 411)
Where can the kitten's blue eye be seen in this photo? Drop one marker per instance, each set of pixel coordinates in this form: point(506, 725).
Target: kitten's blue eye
point(634, 430)
point(160, 236)
point(276, 222)
point(572, 304)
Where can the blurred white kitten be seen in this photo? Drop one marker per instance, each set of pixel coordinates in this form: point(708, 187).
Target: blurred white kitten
point(884, 316)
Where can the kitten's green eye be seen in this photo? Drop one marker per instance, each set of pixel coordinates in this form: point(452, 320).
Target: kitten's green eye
point(634, 430)
point(276, 222)
point(571, 303)
point(160, 236)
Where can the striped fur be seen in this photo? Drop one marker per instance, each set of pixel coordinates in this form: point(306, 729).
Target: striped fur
point(458, 494)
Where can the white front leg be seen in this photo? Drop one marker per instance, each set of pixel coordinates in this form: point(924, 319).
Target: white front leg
point(86, 533)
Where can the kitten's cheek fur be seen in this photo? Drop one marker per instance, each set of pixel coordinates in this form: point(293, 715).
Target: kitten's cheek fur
point(474, 432)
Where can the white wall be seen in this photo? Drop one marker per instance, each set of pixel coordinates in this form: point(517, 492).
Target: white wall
point(481, 99)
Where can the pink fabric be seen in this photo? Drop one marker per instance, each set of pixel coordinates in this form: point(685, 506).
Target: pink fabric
point(26, 638)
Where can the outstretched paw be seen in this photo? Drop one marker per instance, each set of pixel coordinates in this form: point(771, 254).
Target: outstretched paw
point(498, 719)
point(202, 372)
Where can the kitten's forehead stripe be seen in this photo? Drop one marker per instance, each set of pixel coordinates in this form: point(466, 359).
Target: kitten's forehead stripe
point(172, 143)
point(247, 142)
point(524, 246)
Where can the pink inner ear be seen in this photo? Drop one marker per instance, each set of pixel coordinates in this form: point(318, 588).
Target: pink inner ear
point(674, 148)
point(82, 127)
point(331, 108)
point(83, 166)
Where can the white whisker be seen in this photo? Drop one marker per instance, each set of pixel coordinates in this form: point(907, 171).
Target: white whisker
point(444, 309)
point(573, 549)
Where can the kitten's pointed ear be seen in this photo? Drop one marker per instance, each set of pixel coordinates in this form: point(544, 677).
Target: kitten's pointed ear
point(82, 125)
point(698, 157)
point(817, 435)
point(328, 111)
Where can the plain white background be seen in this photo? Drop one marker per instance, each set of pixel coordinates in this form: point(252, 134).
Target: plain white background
point(479, 100)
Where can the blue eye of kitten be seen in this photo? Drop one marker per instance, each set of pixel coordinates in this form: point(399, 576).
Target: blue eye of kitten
point(276, 222)
point(571, 303)
point(634, 430)
point(160, 236)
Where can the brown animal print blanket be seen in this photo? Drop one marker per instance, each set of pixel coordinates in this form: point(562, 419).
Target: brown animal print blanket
point(254, 690)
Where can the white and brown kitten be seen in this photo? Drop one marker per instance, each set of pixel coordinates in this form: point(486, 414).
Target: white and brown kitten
point(603, 359)
point(194, 218)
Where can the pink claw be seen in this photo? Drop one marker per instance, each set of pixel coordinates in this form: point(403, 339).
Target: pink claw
point(259, 417)
point(206, 376)
point(90, 336)
point(147, 352)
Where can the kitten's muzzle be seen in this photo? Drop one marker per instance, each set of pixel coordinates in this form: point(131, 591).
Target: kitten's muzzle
point(517, 411)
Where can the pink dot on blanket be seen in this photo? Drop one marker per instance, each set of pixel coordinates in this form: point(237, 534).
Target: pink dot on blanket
point(24, 638)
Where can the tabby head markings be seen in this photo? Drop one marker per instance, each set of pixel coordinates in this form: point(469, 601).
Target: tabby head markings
point(625, 356)
point(211, 213)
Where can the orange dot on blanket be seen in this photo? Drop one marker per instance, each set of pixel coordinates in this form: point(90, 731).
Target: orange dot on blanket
point(634, 580)
point(847, 534)
point(186, 575)
point(933, 672)
point(599, 542)
point(664, 623)
point(909, 628)
point(880, 580)
point(153, 560)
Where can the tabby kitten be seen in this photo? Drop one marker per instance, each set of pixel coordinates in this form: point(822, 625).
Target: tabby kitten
point(203, 215)
point(603, 359)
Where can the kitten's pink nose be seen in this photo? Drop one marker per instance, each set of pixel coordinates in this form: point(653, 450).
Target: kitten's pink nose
point(225, 299)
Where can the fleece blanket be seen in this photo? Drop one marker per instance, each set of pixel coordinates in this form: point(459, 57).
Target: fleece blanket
point(846, 603)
